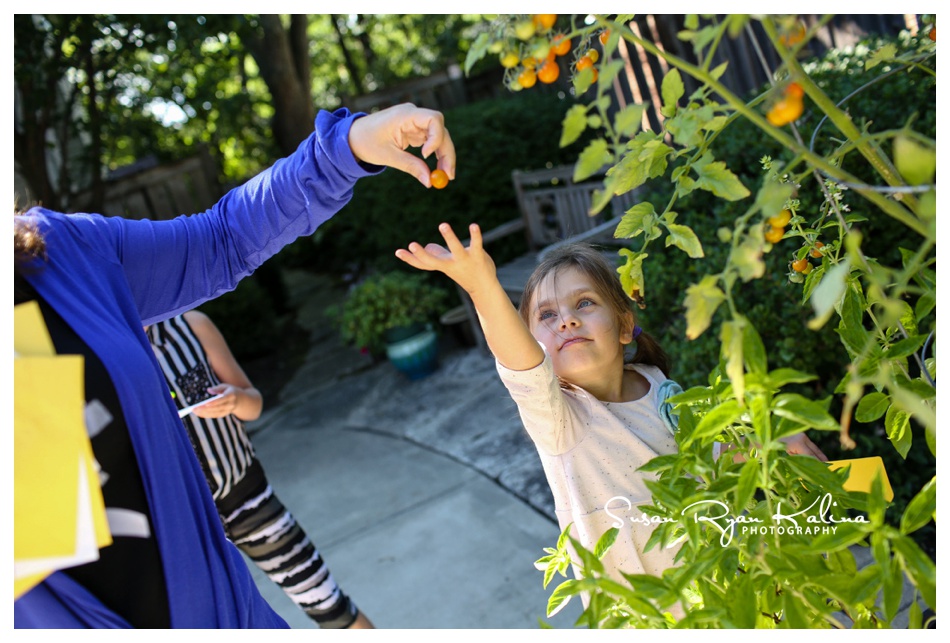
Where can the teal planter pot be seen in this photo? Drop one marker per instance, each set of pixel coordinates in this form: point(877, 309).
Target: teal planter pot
point(413, 350)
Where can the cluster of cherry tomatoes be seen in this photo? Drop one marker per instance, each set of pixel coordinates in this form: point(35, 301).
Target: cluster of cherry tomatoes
point(775, 232)
point(530, 53)
point(787, 108)
point(803, 265)
point(776, 226)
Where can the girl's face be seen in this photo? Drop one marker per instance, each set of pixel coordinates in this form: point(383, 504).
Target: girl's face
point(582, 334)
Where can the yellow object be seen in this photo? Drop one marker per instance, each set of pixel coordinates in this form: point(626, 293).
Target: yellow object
point(58, 511)
point(863, 471)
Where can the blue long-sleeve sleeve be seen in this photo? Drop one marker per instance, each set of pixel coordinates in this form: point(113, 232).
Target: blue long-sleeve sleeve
point(173, 266)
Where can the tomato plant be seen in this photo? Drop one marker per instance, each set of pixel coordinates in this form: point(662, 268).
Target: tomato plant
point(882, 309)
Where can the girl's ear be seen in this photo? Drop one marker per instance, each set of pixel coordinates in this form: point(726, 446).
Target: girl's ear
point(627, 325)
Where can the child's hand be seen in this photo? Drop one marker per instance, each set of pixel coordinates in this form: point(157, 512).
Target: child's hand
point(471, 267)
point(801, 444)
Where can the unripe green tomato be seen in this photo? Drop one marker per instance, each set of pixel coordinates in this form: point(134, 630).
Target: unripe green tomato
point(540, 48)
point(525, 29)
point(496, 46)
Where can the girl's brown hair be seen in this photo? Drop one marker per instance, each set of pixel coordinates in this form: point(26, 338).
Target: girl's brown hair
point(594, 265)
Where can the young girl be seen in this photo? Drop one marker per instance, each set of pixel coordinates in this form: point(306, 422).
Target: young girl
point(594, 418)
point(198, 363)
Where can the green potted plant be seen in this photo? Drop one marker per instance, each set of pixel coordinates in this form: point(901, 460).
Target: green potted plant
point(393, 313)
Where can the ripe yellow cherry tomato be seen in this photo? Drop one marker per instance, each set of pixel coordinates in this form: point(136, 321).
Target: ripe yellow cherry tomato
point(439, 179)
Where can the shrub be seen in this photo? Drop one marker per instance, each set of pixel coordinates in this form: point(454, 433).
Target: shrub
point(383, 302)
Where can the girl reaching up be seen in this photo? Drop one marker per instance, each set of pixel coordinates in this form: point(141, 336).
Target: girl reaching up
point(594, 416)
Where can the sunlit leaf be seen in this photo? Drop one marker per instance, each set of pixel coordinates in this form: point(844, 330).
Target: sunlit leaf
point(672, 90)
point(574, 124)
point(701, 302)
point(631, 224)
point(685, 239)
point(594, 157)
point(715, 177)
point(827, 295)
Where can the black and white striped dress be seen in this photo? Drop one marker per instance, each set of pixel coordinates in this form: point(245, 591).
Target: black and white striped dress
point(253, 516)
point(223, 441)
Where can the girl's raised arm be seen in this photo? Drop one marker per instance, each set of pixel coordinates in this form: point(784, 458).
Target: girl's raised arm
point(473, 270)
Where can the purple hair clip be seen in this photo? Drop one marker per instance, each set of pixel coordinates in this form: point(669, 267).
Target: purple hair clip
point(636, 331)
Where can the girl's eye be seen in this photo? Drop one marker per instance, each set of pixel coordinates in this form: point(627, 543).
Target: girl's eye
point(545, 314)
point(584, 303)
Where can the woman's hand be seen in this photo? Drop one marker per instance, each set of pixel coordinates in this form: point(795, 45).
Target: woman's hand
point(224, 405)
point(382, 137)
point(471, 268)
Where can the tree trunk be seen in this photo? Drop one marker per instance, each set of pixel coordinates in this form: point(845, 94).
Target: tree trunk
point(284, 65)
point(354, 73)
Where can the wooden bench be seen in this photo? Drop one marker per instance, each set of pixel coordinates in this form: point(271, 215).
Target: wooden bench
point(554, 212)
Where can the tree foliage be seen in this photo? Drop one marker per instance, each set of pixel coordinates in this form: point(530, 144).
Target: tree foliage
point(99, 92)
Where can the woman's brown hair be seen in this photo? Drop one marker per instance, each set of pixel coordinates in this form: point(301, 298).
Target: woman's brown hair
point(593, 264)
point(28, 242)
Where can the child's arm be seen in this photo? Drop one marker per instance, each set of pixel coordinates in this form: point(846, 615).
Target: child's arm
point(472, 269)
point(240, 397)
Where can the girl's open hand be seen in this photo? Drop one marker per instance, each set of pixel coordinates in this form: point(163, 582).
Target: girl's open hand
point(470, 267)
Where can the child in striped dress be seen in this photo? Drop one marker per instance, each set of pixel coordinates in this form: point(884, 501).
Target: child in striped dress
point(198, 364)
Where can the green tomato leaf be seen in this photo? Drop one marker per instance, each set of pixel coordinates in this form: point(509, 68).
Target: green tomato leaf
point(871, 407)
point(772, 196)
point(897, 425)
point(748, 483)
point(631, 272)
point(561, 595)
point(629, 120)
point(887, 52)
point(701, 302)
point(631, 225)
point(919, 567)
point(730, 336)
point(804, 411)
point(905, 347)
point(685, 239)
point(755, 357)
point(574, 124)
point(747, 257)
point(477, 51)
point(714, 422)
point(594, 157)
point(916, 163)
point(827, 294)
point(921, 509)
point(672, 90)
point(605, 541)
point(715, 177)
